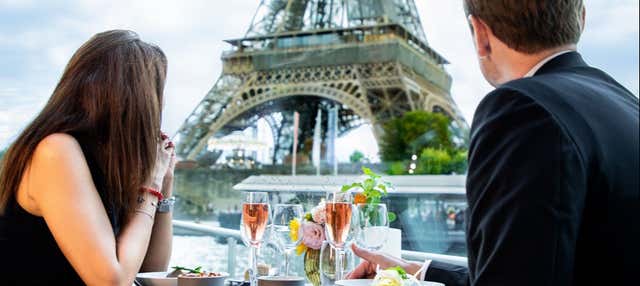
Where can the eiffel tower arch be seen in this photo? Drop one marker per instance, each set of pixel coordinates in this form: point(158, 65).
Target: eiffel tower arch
point(369, 57)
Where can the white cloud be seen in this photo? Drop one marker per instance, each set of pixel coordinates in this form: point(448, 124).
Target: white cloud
point(16, 4)
point(611, 22)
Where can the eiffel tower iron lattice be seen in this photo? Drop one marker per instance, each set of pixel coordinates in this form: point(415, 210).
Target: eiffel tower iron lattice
point(370, 57)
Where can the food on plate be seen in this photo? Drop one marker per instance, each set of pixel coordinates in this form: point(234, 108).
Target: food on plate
point(394, 276)
point(202, 274)
point(179, 271)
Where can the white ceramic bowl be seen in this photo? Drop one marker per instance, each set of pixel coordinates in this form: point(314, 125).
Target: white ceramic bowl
point(156, 279)
point(367, 282)
point(203, 281)
point(280, 281)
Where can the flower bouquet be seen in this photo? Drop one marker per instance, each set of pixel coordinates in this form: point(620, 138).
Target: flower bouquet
point(312, 230)
point(312, 227)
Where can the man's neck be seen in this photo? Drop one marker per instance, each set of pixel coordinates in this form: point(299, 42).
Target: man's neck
point(519, 64)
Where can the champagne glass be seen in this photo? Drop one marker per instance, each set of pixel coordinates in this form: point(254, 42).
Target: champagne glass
point(372, 226)
point(328, 256)
point(283, 215)
point(255, 215)
point(338, 222)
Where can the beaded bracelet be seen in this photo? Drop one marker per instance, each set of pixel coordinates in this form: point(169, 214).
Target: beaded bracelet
point(153, 192)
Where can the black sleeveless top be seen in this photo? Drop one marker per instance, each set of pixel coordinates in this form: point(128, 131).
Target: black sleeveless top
point(29, 255)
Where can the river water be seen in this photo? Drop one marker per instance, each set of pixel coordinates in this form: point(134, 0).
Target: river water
point(205, 251)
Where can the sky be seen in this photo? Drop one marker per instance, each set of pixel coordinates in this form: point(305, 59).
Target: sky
point(37, 38)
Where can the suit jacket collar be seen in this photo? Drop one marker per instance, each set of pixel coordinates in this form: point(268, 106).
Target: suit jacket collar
point(568, 60)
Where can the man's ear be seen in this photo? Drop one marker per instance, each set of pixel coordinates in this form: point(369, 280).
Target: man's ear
point(480, 36)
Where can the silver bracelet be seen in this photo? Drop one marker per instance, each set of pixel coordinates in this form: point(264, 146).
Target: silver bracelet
point(166, 205)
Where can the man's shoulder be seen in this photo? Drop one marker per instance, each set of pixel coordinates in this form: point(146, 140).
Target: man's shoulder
point(506, 98)
point(557, 93)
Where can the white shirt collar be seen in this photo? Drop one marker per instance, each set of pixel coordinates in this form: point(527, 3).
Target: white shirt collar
point(535, 68)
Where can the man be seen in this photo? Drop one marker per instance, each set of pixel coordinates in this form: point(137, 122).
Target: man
point(552, 187)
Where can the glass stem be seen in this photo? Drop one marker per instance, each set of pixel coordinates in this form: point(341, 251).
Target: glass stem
point(253, 276)
point(338, 269)
point(286, 261)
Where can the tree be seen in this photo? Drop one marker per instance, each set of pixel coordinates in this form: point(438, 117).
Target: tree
point(356, 157)
point(413, 132)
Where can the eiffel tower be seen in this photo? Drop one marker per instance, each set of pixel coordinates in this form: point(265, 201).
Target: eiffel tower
point(370, 58)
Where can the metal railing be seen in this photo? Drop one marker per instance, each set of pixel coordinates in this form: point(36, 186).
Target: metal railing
point(233, 236)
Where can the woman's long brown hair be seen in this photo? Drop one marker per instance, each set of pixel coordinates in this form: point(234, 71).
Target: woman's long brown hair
point(111, 92)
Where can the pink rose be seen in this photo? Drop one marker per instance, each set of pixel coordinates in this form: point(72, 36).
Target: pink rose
point(312, 235)
point(319, 213)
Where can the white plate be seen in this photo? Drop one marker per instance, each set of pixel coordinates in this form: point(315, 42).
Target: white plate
point(367, 282)
point(156, 279)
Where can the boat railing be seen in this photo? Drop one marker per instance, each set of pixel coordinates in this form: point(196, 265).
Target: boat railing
point(233, 237)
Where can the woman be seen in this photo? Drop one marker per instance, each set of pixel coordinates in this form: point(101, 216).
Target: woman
point(80, 187)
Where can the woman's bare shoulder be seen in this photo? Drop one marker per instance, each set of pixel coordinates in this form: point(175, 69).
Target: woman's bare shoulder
point(59, 146)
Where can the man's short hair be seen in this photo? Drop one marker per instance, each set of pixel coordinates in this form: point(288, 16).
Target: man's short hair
point(530, 26)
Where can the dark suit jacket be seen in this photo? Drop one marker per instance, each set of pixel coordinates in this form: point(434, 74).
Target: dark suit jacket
point(553, 187)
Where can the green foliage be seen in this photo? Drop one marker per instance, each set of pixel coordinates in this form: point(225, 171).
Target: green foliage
point(413, 132)
point(459, 162)
point(433, 161)
point(2, 153)
point(357, 157)
point(373, 188)
point(397, 168)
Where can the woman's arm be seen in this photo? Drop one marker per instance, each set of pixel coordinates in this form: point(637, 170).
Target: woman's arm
point(159, 251)
point(60, 187)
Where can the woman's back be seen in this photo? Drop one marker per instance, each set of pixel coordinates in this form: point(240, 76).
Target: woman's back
point(28, 247)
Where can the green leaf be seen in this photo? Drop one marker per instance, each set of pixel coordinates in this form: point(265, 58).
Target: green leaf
point(197, 270)
point(349, 187)
point(368, 184)
point(400, 271)
point(392, 217)
point(369, 173)
point(383, 188)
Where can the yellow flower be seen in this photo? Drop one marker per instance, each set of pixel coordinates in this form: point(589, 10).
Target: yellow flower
point(301, 248)
point(294, 229)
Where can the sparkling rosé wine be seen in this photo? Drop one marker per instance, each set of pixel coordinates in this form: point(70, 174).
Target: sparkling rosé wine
point(338, 222)
point(254, 220)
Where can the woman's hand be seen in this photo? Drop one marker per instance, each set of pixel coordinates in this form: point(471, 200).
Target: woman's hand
point(373, 259)
point(167, 181)
point(165, 161)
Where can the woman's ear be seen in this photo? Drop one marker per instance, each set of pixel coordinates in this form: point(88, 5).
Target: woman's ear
point(480, 36)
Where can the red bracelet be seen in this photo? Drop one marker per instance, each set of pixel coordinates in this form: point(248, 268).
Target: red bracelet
point(153, 192)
